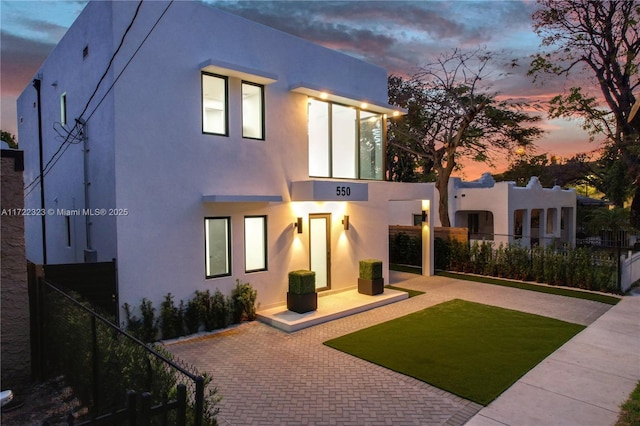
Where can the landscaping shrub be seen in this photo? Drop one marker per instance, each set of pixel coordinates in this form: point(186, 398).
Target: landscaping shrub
point(203, 311)
point(84, 349)
point(171, 318)
point(144, 328)
point(244, 302)
point(405, 250)
point(579, 267)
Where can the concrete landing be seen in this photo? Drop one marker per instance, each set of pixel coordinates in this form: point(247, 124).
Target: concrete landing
point(330, 307)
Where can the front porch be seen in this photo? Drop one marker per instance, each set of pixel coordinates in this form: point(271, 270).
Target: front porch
point(331, 306)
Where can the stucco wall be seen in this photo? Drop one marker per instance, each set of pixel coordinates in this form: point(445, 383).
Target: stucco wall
point(16, 352)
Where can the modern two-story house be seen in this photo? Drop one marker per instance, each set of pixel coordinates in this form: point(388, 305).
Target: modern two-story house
point(196, 147)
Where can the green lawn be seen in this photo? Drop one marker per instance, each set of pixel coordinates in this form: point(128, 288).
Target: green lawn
point(412, 293)
point(472, 350)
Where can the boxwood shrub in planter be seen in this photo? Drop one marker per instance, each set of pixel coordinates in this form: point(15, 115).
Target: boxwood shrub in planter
point(370, 281)
point(302, 296)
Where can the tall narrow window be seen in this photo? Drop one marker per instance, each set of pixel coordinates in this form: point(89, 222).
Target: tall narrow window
point(252, 111)
point(215, 118)
point(319, 139)
point(63, 108)
point(67, 221)
point(255, 243)
point(343, 142)
point(371, 146)
point(217, 246)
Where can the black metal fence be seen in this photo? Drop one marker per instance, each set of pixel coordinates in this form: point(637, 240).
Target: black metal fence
point(119, 379)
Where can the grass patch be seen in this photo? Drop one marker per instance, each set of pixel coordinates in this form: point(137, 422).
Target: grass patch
point(412, 293)
point(406, 268)
point(610, 300)
point(469, 349)
point(630, 413)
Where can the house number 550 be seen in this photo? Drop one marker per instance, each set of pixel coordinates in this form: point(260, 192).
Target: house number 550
point(343, 191)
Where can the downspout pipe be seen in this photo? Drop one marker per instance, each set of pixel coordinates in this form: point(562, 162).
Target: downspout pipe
point(37, 83)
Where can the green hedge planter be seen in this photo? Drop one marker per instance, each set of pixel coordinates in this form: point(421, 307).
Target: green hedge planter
point(302, 296)
point(370, 281)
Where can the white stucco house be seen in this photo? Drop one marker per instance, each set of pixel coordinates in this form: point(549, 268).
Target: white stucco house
point(214, 149)
point(505, 213)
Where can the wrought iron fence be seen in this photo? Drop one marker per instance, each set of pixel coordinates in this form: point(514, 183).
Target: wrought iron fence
point(117, 377)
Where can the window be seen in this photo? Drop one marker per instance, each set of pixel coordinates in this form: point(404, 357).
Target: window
point(63, 108)
point(252, 111)
point(255, 243)
point(67, 222)
point(217, 246)
point(215, 118)
point(319, 138)
point(371, 146)
point(345, 142)
point(473, 223)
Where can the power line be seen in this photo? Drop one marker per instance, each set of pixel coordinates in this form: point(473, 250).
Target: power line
point(66, 143)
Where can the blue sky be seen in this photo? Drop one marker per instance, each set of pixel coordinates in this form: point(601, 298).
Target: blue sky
point(398, 35)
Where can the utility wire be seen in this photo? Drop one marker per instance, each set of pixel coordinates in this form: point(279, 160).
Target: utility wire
point(65, 144)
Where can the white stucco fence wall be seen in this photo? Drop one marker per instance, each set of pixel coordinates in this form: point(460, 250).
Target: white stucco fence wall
point(630, 270)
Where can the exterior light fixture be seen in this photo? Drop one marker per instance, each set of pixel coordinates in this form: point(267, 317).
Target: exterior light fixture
point(345, 222)
point(364, 105)
point(425, 216)
point(396, 113)
point(298, 225)
point(324, 95)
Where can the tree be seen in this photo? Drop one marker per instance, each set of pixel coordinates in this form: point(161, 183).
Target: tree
point(453, 114)
point(600, 40)
point(9, 138)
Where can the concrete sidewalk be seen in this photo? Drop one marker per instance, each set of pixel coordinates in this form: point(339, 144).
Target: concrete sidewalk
point(582, 383)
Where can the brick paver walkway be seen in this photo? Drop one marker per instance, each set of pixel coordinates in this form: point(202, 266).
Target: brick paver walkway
point(268, 377)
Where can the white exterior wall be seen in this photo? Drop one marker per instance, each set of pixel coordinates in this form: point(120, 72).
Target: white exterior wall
point(502, 199)
point(150, 157)
point(65, 70)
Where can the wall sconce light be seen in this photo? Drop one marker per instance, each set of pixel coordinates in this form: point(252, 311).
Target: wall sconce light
point(298, 225)
point(425, 216)
point(345, 222)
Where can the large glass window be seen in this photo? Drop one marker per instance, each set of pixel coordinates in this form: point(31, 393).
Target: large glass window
point(252, 111)
point(345, 142)
point(217, 246)
point(255, 243)
point(319, 142)
point(214, 104)
point(371, 146)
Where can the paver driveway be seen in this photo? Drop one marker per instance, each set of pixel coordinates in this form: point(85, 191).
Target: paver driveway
point(268, 377)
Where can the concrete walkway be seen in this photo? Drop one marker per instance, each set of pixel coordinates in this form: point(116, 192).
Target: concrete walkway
point(269, 377)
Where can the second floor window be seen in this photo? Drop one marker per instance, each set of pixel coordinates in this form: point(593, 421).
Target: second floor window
point(345, 142)
point(252, 110)
point(215, 117)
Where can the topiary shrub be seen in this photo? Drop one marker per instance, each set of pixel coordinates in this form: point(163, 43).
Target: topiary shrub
point(302, 282)
point(370, 269)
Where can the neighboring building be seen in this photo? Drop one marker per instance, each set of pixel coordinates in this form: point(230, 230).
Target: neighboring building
point(222, 149)
point(505, 213)
point(14, 308)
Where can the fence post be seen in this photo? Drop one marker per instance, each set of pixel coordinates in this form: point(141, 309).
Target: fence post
point(145, 409)
point(131, 407)
point(199, 402)
point(181, 412)
point(96, 375)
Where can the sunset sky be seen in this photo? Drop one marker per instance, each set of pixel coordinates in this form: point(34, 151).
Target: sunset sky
point(400, 36)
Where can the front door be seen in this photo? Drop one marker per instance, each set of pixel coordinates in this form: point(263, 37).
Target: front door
point(320, 249)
